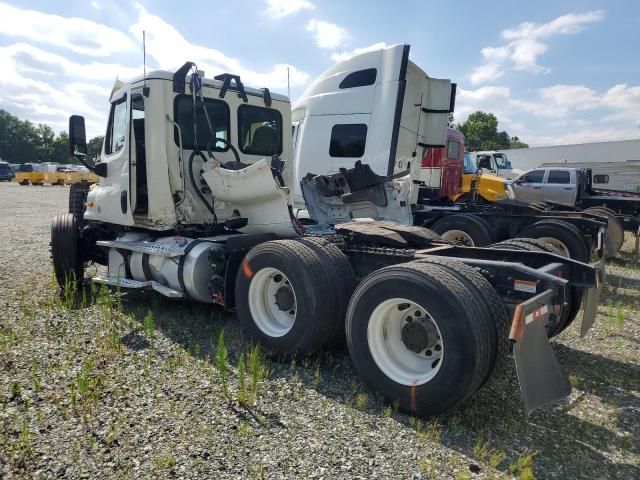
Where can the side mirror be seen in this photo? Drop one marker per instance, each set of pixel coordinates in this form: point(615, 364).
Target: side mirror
point(77, 136)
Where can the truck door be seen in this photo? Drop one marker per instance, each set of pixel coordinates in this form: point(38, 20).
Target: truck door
point(560, 187)
point(528, 187)
point(112, 198)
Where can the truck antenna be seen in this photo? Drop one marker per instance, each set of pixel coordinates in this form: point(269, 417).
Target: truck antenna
point(288, 87)
point(145, 89)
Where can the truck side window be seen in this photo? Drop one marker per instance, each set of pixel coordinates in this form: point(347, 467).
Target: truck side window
point(115, 137)
point(259, 130)
point(218, 114)
point(453, 149)
point(601, 179)
point(348, 140)
point(535, 176)
point(361, 78)
point(559, 177)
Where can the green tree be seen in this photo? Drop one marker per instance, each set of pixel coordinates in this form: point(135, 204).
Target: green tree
point(481, 133)
point(516, 143)
point(21, 142)
point(94, 147)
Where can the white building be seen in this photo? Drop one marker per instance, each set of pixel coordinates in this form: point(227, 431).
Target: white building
point(618, 151)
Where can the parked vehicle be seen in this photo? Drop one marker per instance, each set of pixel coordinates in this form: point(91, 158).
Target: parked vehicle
point(6, 174)
point(573, 188)
point(497, 163)
point(210, 219)
point(618, 176)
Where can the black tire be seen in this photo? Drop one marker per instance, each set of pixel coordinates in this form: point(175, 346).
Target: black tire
point(302, 266)
point(528, 244)
point(465, 335)
point(486, 298)
point(569, 312)
point(66, 251)
point(342, 281)
point(563, 232)
point(77, 199)
point(477, 230)
point(615, 230)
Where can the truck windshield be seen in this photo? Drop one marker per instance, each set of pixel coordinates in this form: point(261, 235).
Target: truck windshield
point(4, 167)
point(502, 161)
point(469, 163)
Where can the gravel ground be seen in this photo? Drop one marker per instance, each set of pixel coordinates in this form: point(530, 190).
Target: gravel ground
point(128, 389)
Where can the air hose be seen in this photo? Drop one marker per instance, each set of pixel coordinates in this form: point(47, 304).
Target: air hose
point(196, 186)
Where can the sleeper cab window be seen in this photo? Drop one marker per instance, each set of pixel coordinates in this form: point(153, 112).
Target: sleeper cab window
point(453, 149)
point(259, 130)
point(218, 115)
point(115, 138)
point(361, 78)
point(348, 140)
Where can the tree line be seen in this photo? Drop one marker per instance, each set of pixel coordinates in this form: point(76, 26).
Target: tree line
point(23, 142)
point(481, 133)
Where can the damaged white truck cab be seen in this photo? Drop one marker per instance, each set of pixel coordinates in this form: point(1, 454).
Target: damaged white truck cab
point(195, 201)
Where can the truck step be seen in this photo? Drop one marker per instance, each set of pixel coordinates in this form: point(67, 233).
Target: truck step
point(135, 284)
point(151, 248)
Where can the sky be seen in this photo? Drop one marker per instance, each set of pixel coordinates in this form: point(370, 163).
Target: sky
point(553, 72)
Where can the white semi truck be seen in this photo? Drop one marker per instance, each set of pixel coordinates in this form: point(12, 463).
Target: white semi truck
point(195, 200)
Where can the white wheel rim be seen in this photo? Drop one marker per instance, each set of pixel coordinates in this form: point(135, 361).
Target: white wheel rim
point(384, 335)
point(557, 244)
point(458, 236)
point(268, 316)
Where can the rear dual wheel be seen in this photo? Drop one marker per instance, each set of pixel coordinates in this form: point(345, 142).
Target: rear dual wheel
point(562, 236)
point(614, 237)
point(569, 311)
point(291, 296)
point(416, 334)
point(464, 229)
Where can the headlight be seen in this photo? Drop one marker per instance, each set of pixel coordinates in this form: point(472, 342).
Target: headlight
point(510, 193)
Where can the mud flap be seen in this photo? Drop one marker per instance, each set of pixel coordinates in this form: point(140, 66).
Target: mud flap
point(592, 299)
point(540, 376)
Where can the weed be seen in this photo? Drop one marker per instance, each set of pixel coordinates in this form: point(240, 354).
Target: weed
point(222, 357)
point(165, 462)
point(387, 411)
point(619, 320)
point(26, 438)
point(244, 429)
point(85, 389)
point(523, 466)
point(37, 383)
point(257, 373)
point(316, 375)
point(360, 401)
point(15, 390)
point(432, 432)
point(496, 457)
point(429, 468)
point(149, 325)
point(242, 387)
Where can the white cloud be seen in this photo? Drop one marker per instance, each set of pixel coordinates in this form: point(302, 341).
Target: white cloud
point(284, 8)
point(341, 56)
point(170, 49)
point(76, 34)
point(525, 45)
point(575, 113)
point(587, 135)
point(327, 35)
